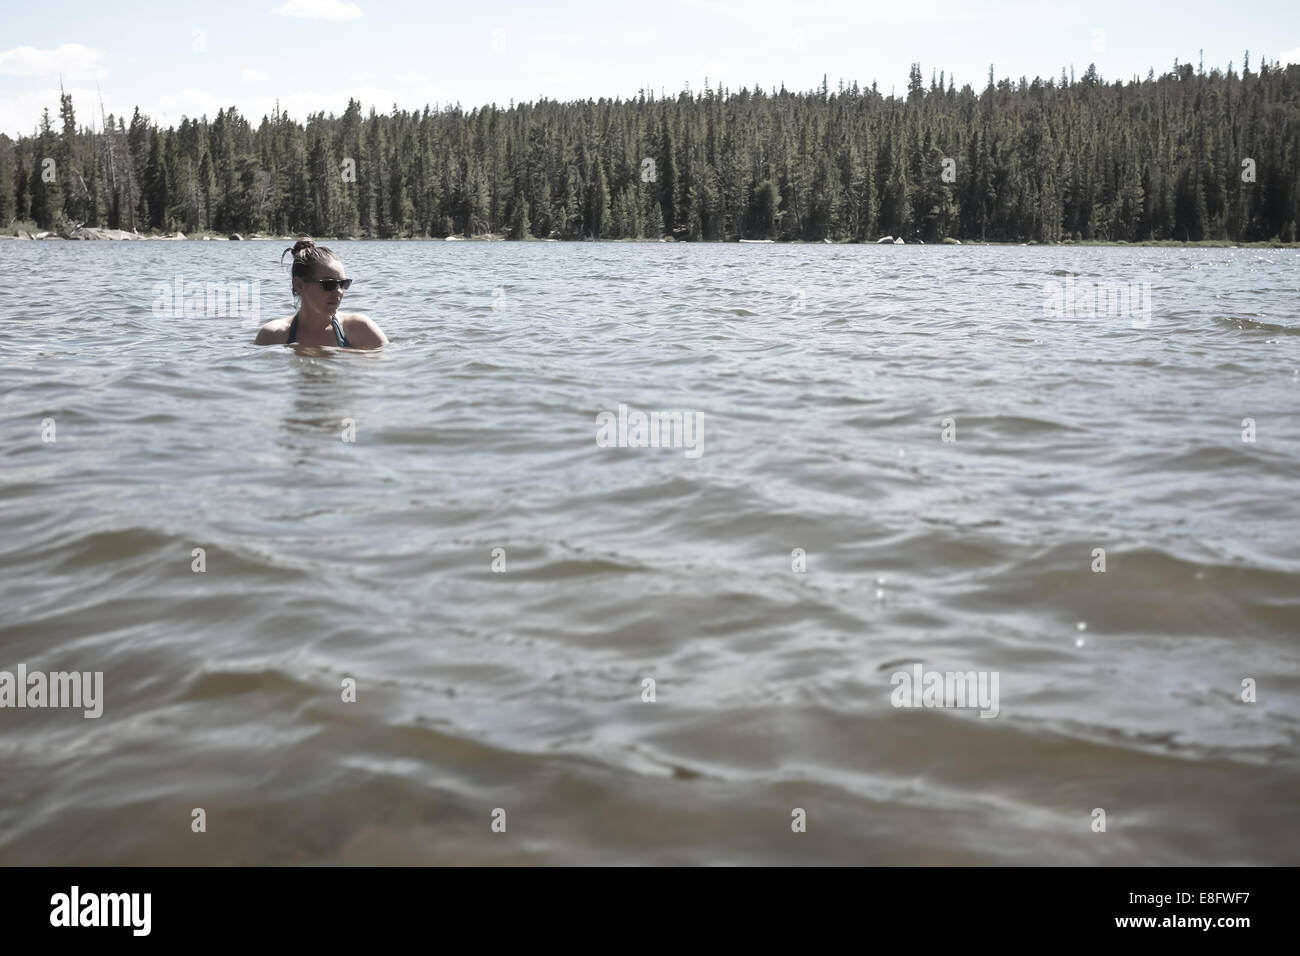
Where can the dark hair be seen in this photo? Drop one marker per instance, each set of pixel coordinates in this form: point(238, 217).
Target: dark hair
point(305, 256)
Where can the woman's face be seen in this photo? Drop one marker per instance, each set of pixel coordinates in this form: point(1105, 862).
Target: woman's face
point(316, 297)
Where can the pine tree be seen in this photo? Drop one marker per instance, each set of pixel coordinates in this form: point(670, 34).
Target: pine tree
point(44, 181)
point(156, 185)
point(1149, 159)
point(8, 207)
point(520, 225)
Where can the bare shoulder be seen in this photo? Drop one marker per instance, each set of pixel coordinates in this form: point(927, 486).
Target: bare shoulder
point(275, 332)
point(361, 331)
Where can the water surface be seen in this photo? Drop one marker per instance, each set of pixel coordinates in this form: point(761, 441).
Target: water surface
point(823, 375)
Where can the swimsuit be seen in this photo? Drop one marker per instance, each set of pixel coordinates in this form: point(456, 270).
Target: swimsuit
point(338, 331)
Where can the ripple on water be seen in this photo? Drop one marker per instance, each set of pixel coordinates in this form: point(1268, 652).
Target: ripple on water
point(501, 588)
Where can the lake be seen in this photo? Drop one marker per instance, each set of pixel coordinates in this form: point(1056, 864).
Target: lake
point(651, 553)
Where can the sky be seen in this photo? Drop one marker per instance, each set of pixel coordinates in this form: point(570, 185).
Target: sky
point(177, 59)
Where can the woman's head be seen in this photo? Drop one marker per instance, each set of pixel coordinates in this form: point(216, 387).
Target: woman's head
point(312, 263)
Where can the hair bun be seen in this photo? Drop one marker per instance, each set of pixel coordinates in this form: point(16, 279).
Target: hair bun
point(305, 256)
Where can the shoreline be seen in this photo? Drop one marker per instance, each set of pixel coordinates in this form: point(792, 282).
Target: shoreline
point(118, 235)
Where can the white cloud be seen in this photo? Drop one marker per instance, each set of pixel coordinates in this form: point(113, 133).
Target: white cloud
point(168, 110)
point(1290, 56)
point(20, 113)
point(553, 71)
point(361, 77)
point(254, 76)
point(72, 60)
point(714, 70)
point(319, 9)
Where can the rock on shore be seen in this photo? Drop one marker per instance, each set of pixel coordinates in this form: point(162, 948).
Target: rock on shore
point(89, 233)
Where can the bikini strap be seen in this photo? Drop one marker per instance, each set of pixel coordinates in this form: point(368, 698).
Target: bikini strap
point(338, 331)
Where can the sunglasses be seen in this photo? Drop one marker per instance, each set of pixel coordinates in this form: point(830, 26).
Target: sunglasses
point(329, 285)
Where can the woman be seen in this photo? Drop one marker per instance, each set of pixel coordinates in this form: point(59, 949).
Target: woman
point(318, 278)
